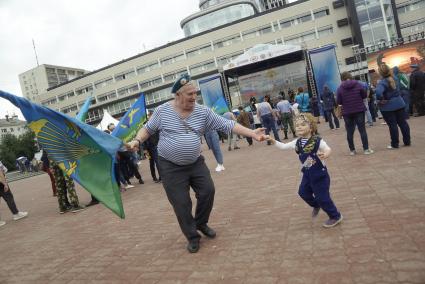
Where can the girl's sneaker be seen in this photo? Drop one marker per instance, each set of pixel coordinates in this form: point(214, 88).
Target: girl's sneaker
point(368, 151)
point(2, 223)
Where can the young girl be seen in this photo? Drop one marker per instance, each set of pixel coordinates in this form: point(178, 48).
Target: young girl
point(312, 149)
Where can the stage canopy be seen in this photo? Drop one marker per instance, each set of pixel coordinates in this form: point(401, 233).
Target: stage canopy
point(262, 57)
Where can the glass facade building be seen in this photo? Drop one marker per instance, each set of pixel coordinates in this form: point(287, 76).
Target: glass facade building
point(376, 21)
point(216, 13)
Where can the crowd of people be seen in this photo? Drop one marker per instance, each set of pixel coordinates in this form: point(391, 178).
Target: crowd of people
point(171, 141)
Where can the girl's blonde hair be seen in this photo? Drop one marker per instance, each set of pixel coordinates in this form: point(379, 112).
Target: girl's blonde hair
point(385, 71)
point(308, 118)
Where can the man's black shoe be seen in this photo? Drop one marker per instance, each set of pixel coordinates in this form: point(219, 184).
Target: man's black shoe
point(193, 246)
point(141, 181)
point(207, 231)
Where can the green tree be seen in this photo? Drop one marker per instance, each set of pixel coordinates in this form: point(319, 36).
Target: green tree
point(12, 147)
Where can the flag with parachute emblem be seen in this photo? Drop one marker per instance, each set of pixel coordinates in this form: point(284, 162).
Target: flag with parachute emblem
point(83, 152)
point(132, 121)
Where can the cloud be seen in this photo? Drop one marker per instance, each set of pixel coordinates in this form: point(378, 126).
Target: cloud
point(82, 34)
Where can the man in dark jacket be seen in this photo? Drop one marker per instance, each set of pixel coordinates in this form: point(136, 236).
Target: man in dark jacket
point(329, 104)
point(417, 90)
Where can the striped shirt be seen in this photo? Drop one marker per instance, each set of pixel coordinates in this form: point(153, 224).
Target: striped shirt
point(179, 139)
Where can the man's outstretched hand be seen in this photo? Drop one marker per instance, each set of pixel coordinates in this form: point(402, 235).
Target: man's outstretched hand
point(132, 145)
point(260, 134)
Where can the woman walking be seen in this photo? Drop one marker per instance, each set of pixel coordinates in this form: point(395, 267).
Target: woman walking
point(350, 96)
point(392, 107)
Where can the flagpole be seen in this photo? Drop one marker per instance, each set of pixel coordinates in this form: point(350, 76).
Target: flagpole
point(35, 51)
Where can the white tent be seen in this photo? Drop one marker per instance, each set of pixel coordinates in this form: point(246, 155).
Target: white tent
point(106, 120)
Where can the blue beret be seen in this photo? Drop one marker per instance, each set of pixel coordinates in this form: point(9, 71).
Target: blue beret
point(183, 80)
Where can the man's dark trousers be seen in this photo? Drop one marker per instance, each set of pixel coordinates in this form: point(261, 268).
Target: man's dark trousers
point(177, 181)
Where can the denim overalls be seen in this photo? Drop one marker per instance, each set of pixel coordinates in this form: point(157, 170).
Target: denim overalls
point(314, 187)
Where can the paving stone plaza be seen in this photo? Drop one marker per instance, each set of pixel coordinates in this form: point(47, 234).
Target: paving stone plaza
point(265, 233)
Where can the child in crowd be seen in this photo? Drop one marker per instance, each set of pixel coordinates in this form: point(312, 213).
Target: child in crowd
point(312, 150)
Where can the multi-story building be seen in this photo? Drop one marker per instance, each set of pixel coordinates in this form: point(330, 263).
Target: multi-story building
point(411, 15)
point(36, 81)
point(12, 125)
point(221, 31)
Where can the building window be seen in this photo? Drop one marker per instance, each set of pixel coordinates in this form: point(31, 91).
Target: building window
point(158, 96)
point(120, 107)
point(249, 34)
point(411, 6)
point(103, 83)
point(201, 67)
point(151, 82)
point(325, 31)
point(198, 50)
point(227, 41)
point(49, 102)
point(4, 130)
point(61, 98)
point(265, 29)
point(170, 77)
point(413, 27)
point(223, 60)
point(293, 21)
point(124, 75)
point(172, 59)
point(321, 13)
point(299, 38)
point(70, 109)
point(106, 96)
point(147, 67)
point(94, 114)
point(81, 103)
point(83, 90)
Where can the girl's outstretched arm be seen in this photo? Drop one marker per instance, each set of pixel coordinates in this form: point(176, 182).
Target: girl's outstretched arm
point(280, 145)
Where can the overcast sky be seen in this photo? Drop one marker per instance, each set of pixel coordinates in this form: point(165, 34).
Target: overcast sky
point(87, 34)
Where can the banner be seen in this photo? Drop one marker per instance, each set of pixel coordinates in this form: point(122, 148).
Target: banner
point(83, 152)
point(401, 56)
point(213, 94)
point(325, 68)
point(132, 121)
point(273, 81)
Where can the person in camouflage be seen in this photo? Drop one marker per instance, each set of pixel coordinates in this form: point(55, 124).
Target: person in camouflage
point(65, 185)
